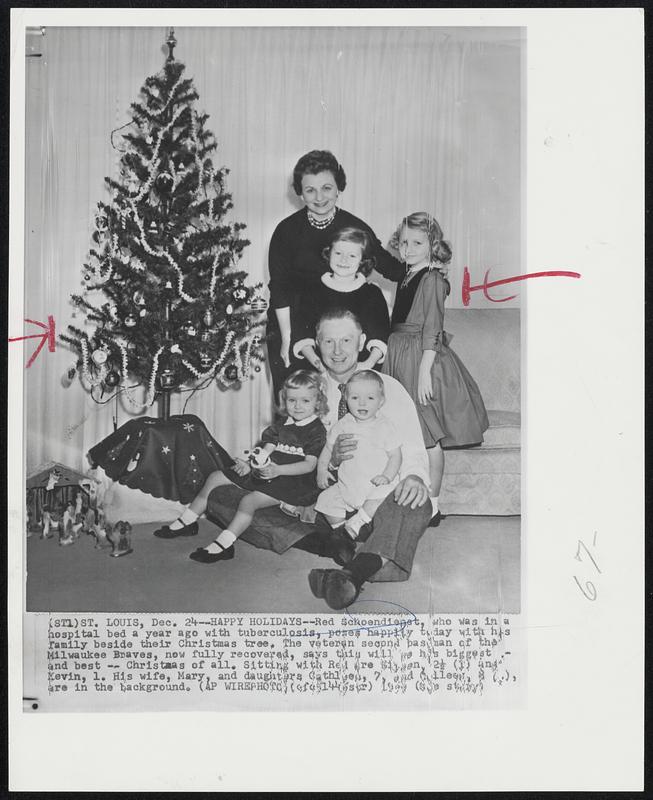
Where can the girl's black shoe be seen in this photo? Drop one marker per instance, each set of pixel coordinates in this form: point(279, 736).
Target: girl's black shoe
point(168, 533)
point(204, 557)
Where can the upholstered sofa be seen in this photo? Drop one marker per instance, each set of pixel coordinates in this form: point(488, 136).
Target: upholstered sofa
point(479, 480)
point(486, 479)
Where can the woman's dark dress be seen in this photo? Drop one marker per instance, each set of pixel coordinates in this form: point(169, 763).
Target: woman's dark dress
point(455, 416)
point(296, 264)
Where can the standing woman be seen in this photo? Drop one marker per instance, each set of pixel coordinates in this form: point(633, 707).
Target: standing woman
point(295, 261)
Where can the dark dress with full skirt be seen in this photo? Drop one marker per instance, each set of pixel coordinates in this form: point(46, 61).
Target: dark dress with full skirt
point(455, 416)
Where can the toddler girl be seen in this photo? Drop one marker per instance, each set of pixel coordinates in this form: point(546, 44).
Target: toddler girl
point(294, 445)
point(350, 259)
point(362, 484)
point(449, 405)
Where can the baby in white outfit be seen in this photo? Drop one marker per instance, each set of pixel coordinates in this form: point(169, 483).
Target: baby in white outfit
point(365, 480)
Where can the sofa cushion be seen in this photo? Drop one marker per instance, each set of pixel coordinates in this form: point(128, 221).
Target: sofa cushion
point(504, 430)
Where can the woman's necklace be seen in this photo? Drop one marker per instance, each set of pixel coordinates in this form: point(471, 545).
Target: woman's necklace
point(320, 224)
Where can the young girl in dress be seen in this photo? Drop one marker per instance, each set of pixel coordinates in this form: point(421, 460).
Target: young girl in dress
point(350, 259)
point(293, 444)
point(449, 404)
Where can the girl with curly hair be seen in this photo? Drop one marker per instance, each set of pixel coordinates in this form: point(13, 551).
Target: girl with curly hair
point(293, 445)
point(448, 401)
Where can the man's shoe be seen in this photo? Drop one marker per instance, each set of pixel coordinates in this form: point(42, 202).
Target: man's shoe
point(317, 580)
point(340, 590)
point(167, 533)
point(204, 557)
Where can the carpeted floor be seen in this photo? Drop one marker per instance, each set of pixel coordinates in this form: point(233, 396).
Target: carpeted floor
point(467, 564)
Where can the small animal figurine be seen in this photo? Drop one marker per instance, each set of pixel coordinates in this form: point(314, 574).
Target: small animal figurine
point(120, 537)
point(93, 525)
point(49, 519)
point(53, 478)
point(66, 530)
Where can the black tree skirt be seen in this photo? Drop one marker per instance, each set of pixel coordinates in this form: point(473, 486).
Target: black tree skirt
point(165, 458)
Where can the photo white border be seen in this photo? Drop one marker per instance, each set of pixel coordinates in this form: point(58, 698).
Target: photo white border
point(583, 417)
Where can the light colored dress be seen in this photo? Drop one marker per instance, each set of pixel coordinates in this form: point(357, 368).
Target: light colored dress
point(376, 438)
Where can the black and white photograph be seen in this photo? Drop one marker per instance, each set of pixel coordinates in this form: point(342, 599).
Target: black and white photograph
point(308, 386)
point(270, 390)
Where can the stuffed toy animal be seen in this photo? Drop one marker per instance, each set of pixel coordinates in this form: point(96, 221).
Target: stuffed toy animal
point(258, 459)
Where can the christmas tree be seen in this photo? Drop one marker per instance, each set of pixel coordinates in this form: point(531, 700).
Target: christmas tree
point(163, 300)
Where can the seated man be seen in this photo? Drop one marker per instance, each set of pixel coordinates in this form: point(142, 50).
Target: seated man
point(404, 515)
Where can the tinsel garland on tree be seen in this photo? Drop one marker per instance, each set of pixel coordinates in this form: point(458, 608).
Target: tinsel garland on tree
point(163, 301)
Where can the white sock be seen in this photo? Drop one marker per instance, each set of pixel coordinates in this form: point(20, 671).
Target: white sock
point(224, 540)
point(434, 503)
point(185, 519)
point(355, 523)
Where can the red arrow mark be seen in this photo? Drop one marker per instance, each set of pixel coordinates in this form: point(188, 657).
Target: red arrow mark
point(467, 288)
point(48, 336)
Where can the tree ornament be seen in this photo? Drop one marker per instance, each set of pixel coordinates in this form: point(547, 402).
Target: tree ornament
point(175, 348)
point(142, 312)
point(231, 373)
point(139, 298)
point(258, 303)
point(239, 294)
point(257, 368)
point(69, 376)
point(99, 356)
point(191, 330)
point(101, 221)
point(112, 379)
point(229, 309)
point(207, 319)
point(164, 183)
point(87, 276)
point(130, 321)
point(167, 379)
point(153, 227)
point(205, 335)
point(205, 361)
point(125, 258)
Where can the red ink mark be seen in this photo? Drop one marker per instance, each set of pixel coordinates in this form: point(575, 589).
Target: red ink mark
point(467, 288)
point(48, 336)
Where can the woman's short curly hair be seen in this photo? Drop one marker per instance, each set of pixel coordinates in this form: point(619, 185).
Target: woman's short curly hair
point(315, 162)
point(359, 237)
point(305, 379)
